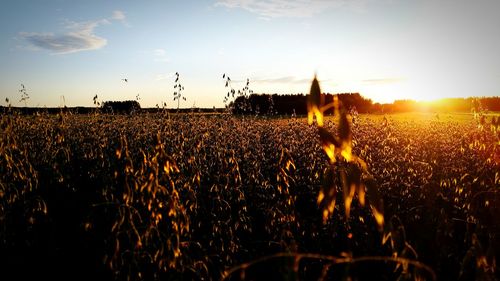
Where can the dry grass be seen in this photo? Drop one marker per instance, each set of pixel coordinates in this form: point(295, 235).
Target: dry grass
point(152, 197)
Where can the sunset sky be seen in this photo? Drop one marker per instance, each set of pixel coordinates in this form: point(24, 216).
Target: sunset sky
point(383, 49)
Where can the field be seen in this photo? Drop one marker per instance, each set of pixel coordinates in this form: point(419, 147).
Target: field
point(182, 197)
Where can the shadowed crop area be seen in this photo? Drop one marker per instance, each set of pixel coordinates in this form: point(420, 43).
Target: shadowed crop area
point(206, 197)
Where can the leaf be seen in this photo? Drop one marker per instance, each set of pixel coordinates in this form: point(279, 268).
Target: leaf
point(345, 136)
point(344, 127)
point(315, 102)
point(349, 189)
point(328, 194)
point(329, 143)
point(376, 202)
point(351, 180)
point(361, 194)
point(398, 236)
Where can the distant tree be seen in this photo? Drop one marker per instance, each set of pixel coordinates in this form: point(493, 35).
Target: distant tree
point(242, 103)
point(295, 104)
point(404, 105)
point(377, 108)
point(290, 104)
point(128, 106)
point(491, 103)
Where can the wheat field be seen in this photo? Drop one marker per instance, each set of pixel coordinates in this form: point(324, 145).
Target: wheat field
point(205, 197)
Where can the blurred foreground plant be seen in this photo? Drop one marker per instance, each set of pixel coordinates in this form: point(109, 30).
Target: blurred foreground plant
point(346, 169)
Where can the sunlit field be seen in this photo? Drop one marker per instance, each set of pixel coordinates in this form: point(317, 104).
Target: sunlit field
point(206, 197)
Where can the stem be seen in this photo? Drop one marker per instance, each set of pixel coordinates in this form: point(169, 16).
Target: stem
point(334, 260)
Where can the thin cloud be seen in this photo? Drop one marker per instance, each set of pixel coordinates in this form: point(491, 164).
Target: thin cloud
point(283, 80)
point(118, 15)
point(160, 52)
point(160, 55)
point(291, 9)
point(80, 37)
point(382, 81)
point(164, 76)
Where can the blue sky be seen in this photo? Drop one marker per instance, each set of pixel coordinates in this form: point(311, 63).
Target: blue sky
point(384, 49)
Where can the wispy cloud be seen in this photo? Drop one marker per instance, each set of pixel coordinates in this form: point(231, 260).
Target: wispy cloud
point(118, 15)
point(283, 80)
point(382, 81)
point(80, 37)
point(164, 76)
point(291, 9)
point(160, 55)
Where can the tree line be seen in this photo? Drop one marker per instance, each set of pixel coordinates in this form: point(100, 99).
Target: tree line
point(296, 104)
point(266, 104)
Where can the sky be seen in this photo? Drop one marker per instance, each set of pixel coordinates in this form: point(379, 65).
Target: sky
point(67, 51)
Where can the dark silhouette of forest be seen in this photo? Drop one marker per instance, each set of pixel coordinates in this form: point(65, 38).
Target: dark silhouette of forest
point(290, 104)
point(266, 104)
point(128, 106)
